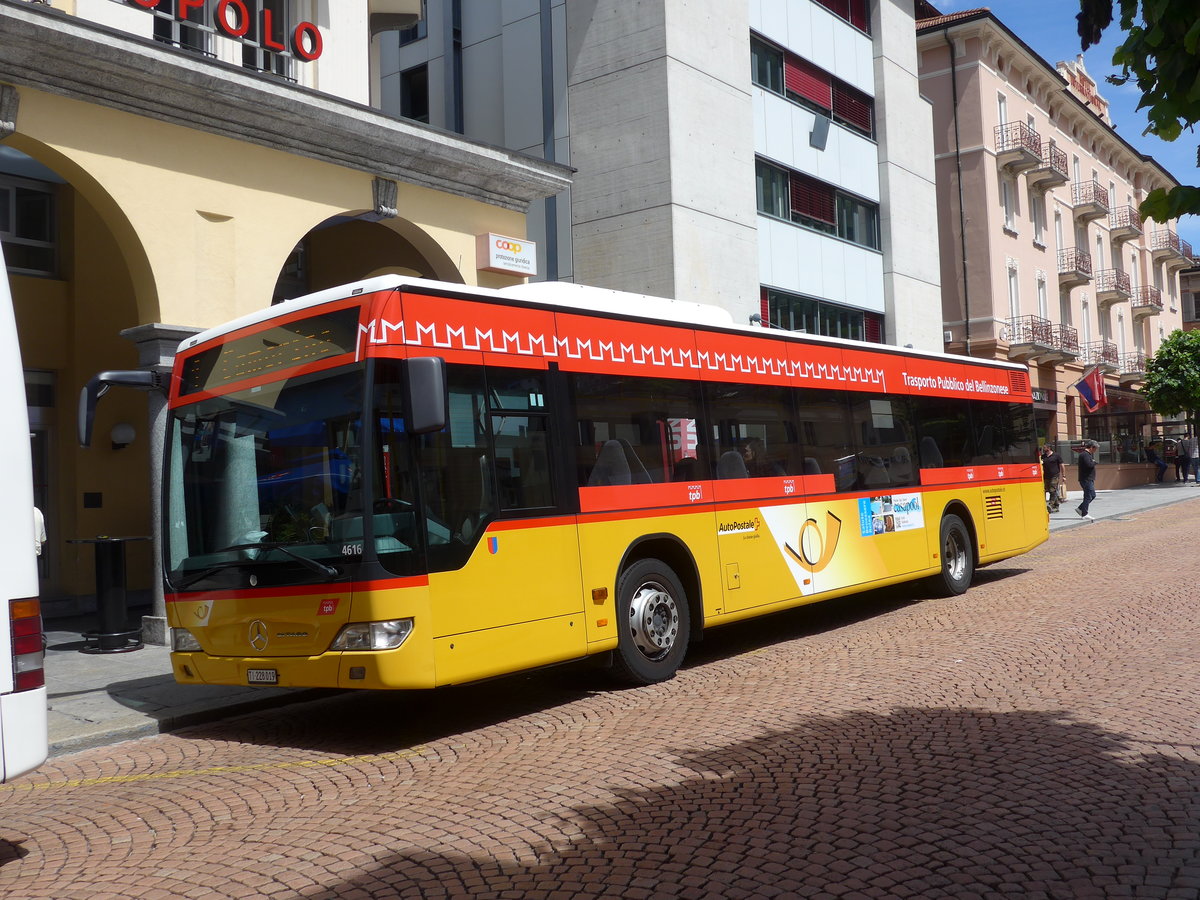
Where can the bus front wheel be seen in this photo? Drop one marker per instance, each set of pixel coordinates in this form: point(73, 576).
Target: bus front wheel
point(958, 559)
point(653, 622)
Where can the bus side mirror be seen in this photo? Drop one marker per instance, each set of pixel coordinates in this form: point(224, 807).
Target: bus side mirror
point(98, 386)
point(425, 394)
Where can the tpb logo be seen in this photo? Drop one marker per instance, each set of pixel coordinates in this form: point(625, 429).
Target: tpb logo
point(511, 246)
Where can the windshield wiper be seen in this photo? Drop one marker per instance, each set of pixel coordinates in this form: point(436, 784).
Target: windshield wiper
point(318, 567)
point(204, 573)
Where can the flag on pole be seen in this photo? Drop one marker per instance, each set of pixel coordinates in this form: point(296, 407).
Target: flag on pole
point(1091, 389)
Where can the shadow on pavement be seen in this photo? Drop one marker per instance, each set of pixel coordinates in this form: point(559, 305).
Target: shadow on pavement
point(937, 802)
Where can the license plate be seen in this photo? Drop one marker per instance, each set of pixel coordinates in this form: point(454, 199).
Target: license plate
point(262, 676)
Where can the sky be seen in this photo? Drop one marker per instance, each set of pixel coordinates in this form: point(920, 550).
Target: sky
point(1048, 27)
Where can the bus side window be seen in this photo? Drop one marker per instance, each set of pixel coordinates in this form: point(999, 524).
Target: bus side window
point(651, 421)
point(756, 424)
point(824, 433)
point(886, 443)
point(945, 432)
point(521, 437)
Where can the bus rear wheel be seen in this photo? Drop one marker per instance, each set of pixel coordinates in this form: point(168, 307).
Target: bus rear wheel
point(958, 558)
point(653, 621)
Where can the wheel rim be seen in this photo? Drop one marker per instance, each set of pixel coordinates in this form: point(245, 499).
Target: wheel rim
point(954, 555)
point(653, 620)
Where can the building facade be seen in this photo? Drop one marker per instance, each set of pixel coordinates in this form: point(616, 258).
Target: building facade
point(774, 158)
point(1045, 257)
point(168, 166)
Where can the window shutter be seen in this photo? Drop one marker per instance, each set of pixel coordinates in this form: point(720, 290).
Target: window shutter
point(812, 199)
point(853, 106)
point(803, 78)
point(764, 307)
point(837, 7)
point(858, 15)
point(873, 328)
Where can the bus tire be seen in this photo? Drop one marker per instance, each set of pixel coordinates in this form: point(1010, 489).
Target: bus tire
point(653, 623)
point(958, 558)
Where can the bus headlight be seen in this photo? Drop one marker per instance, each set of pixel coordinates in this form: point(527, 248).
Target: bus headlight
point(373, 635)
point(183, 641)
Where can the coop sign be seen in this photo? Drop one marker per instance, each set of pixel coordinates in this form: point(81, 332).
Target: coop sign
point(507, 255)
point(234, 18)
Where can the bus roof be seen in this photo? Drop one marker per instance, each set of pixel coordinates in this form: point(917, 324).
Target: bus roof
point(578, 298)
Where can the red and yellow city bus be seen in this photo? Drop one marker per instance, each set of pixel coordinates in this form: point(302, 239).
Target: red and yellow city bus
point(406, 484)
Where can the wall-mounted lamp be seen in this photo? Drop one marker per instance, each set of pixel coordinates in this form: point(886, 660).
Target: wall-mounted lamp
point(122, 435)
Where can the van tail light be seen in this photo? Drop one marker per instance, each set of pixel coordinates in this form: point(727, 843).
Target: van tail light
point(29, 654)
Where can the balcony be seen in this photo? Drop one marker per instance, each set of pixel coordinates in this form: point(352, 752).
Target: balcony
point(1051, 172)
point(1018, 147)
point(1074, 267)
point(1133, 367)
point(1103, 354)
point(1166, 247)
point(1030, 338)
point(1124, 224)
point(1112, 286)
point(1065, 340)
point(1147, 301)
point(1090, 201)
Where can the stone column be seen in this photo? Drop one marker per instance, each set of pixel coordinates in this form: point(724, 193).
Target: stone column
point(156, 346)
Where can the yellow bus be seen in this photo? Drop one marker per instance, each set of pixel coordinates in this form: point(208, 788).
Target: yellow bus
point(406, 484)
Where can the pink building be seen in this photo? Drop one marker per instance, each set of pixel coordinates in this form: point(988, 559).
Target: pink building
point(1045, 259)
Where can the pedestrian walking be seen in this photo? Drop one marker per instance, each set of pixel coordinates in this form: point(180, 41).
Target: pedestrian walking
point(1192, 452)
point(1087, 477)
point(1051, 476)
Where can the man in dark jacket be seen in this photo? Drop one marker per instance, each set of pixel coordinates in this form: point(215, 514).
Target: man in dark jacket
point(1087, 477)
point(1051, 472)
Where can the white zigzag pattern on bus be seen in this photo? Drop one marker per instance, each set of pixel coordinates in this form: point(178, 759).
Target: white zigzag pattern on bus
point(488, 340)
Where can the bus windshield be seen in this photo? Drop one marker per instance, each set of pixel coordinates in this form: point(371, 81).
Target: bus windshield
point(263, 484)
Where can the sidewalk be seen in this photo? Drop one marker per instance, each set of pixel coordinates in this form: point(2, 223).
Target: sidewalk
point(101, 699)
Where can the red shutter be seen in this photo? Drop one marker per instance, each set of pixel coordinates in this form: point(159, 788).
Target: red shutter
point(858, 15)
point(837, 7)
point(853, 106)
point(873, 328)
point(803, 78)
point(813, 199)
point(764, 308)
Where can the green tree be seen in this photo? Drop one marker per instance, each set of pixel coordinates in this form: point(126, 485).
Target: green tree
point(1172, 381)
point(1161, 54)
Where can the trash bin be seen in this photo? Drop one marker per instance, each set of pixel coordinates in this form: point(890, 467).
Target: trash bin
point(112, 634)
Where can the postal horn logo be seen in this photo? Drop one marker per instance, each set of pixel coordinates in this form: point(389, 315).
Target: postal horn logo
point(827, 544)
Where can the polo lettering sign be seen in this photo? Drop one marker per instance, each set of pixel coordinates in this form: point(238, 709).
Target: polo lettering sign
point(234, 18)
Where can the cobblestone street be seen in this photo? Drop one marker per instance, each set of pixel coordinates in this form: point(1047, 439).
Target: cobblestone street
point(1037, 737)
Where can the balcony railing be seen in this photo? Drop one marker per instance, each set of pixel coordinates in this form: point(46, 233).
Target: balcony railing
point(1124, 223)
point(1134, 363)
point(1112, 286)
point(1018, 147)
point(1065, 339)
point(1029, 330)
point(1147, 301)
point(1052, 170)
point(1089, 199)
point(1074, 266)
point(1102, 353)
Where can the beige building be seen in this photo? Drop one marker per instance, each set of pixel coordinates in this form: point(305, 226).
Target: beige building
point(1045, 259)
point(168, 166)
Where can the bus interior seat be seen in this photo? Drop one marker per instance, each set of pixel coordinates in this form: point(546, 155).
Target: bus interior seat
point(637, 471)
point(931, 456)
point(901, 469)
point(611, 466)
point(731, 465)
point(873, 471)
point(811, 466)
